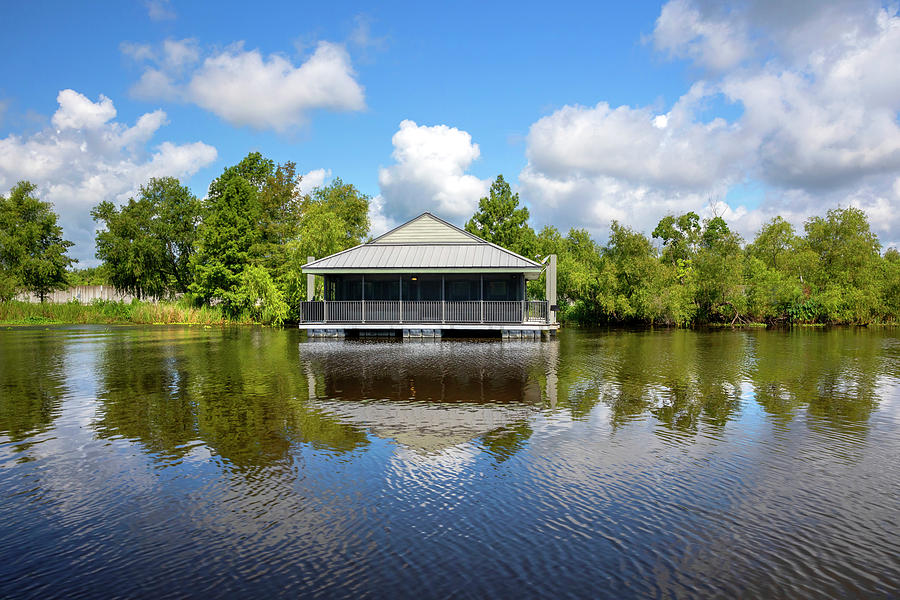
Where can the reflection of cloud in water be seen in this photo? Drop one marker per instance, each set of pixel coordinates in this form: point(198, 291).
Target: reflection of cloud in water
point(450, 463)
point(425, 427)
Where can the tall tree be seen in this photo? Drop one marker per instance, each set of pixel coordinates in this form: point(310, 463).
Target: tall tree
point(845, 246)
point(32, 250)
point(774, 243)
point(630, 266)
point(719, 267)
point(333, 218)
point(846, 274)
point(680, 236)
point(500, 220)
point(890, 289)
point(147, 245)
point(231, 214)
point(280, 205)
point(346, 203)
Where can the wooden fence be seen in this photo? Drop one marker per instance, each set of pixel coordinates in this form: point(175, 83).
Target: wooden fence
point(84, 294)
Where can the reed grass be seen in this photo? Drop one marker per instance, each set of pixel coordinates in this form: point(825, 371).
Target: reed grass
point(110, 313)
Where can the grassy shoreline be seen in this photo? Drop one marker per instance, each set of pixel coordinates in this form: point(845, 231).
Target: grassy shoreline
point(114, 313)
point(100, 312)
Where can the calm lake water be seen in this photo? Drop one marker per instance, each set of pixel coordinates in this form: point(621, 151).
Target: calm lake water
point(171, 462)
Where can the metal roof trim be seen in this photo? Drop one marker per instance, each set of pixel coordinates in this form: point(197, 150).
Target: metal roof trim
point(393, 255)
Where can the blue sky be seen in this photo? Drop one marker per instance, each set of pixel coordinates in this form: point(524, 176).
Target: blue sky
point(594, 112)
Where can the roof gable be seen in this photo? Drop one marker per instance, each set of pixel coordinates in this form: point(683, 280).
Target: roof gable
point(427, 229)
point(426, 243)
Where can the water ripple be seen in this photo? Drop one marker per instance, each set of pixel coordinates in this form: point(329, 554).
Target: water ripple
point(177, 462)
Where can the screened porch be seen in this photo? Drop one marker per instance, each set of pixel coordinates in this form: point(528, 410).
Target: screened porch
point(425, 299)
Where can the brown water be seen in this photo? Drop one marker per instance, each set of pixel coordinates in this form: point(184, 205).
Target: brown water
point(173, 462)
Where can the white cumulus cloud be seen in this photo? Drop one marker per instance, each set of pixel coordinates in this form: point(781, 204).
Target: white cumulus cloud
point(77, 112)
point(379, 222)
point(629, 143)
point(817, 92)
point(86, 157)
point(246, 88)
point(314, 179)
point(430, 174)
point(714, 41)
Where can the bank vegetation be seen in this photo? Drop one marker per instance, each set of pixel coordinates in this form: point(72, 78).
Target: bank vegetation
point(236, 256)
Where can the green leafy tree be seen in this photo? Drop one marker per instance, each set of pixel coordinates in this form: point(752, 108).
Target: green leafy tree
point(770, 293)
point(846, 272)
point(146, 245)
point(257, 231)
point(228, 233)
point(890, 289)
point(89, 276)
point(774, 244)
point(584, 262)
point(175, 226)
point(774, 269)
point(32, 250)
point(346, 203)
point(280, 209)
point(845, 247)
point(680, 236)
point(633, 267)
point(266, 302)
point(500, 220)
point(551, 241)
point(333, 218)
point(719, 267)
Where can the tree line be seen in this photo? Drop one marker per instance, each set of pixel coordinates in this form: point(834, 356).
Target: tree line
point(694, 272)
point(242, 248)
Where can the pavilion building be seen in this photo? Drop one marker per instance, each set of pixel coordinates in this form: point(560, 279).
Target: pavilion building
point(425, 278)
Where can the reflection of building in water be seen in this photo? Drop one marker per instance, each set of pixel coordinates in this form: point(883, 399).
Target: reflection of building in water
point(425, 426)
point(428, 396)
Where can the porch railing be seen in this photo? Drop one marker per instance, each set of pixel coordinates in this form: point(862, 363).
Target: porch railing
point(421, 311)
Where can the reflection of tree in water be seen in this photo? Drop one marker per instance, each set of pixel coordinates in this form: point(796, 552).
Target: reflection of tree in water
point(691, 379)
point(504, 442)
point(144, 390)
point(833, 374)
point(32, 381)
point(250, 394)
point(683, 378)
point(704, 378)
point(240, 391)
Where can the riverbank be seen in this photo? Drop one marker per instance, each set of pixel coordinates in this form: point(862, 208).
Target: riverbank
point(113, 313)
